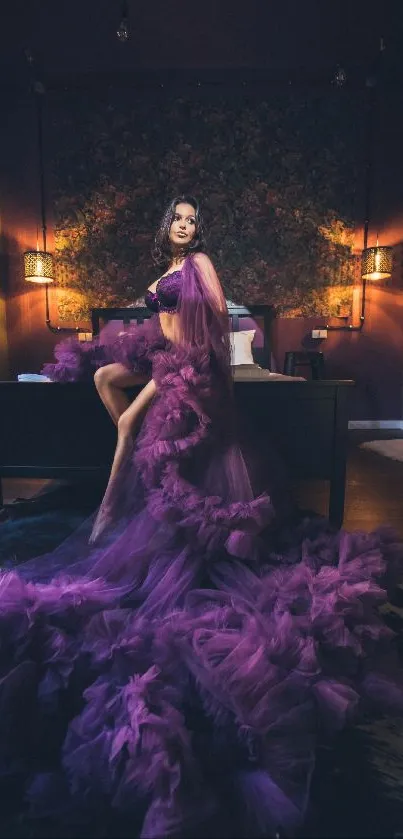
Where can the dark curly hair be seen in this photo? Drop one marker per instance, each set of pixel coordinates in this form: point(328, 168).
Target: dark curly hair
point(162, 250)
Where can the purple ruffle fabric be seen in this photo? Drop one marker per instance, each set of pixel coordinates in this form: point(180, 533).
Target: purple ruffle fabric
point(189, 666)
point(77, 361)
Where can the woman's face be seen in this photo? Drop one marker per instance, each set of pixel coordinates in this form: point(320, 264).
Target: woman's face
point(183, 227)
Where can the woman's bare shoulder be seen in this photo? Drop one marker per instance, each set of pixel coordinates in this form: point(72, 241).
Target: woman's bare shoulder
point(202, 260)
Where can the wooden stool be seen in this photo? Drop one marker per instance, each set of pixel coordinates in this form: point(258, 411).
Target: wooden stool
point(309, 358)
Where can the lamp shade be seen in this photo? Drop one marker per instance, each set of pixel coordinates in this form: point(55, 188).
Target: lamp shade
point(377, 263)
point(38, 267)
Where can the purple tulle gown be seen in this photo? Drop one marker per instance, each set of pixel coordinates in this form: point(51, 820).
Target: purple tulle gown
point(182, 671)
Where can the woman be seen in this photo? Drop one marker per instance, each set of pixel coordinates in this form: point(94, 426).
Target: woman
point(180, 234)
point(191, 659)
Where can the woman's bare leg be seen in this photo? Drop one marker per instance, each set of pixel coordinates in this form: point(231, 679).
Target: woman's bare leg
point(110, 382)
point(128, 425)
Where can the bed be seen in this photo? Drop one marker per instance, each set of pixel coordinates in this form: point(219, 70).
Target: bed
point(54, 430)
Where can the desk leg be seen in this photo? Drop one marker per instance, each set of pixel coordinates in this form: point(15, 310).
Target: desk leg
point(336, 501)
point(339, 457)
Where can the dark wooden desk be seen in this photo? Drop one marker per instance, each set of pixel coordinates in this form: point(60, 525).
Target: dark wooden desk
point(52, 430)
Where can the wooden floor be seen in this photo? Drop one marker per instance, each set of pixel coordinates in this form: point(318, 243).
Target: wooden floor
point(374, 493)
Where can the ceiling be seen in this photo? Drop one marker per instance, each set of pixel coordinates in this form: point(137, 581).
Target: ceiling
point(79, 36)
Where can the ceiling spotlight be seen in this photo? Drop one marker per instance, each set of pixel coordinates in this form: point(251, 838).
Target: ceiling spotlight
point(340, 77)
point(123, 31)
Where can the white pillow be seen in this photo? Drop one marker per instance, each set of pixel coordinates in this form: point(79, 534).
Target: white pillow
point(241, 347)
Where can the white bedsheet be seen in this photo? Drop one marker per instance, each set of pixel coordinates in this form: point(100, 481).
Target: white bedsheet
point(252, 372)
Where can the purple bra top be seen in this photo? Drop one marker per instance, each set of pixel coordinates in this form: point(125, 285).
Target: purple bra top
point(165, 298)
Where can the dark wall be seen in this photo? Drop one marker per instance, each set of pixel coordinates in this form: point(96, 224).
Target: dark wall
point(374, 357)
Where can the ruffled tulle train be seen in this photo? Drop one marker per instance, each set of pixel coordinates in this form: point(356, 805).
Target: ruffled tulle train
point(184, 669)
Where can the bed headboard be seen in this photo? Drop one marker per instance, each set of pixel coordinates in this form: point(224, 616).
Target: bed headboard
point(241, 317)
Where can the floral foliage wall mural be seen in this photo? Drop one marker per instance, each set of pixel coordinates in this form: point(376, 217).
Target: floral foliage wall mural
point(277, 176)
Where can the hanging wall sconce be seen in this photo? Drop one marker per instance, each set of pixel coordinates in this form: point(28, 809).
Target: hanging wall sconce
point(38, 267)
point(377, 263)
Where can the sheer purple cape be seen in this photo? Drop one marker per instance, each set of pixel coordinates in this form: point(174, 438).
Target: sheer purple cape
point(191, 661)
